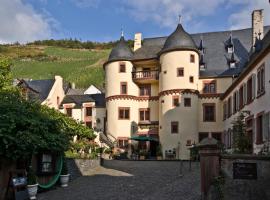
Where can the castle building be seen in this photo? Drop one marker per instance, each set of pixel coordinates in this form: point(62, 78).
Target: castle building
point(179, 89)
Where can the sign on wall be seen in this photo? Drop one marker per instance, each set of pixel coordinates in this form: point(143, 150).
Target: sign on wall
point(244, 170)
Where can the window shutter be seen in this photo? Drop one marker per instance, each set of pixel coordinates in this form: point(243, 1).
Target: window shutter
point(245, 93)
point(266, 127)
point(253, 86)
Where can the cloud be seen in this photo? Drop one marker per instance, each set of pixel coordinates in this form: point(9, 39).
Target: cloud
point(86, 3)
point(165, 12)
point(20, 22)
point(242, 18)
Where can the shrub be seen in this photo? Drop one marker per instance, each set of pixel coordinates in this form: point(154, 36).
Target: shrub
point(31, 177)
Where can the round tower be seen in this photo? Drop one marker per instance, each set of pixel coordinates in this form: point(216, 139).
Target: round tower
point(119, 91)
point(178, 84)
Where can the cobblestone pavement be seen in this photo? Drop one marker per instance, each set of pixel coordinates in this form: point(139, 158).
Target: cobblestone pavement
point(133, 180)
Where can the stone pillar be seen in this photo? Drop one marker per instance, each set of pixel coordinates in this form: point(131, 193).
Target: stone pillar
point(209, 162)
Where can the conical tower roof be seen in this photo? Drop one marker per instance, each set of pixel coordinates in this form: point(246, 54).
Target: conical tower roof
point(121, 51)
point(179, 39)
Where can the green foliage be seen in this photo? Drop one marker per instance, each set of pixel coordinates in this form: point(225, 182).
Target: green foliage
point(83, 67)
point(31, 177)
point(218, 183)
point(64, 168)
point(241, 142)
point(159, 150)
point(5, 75)
point(77, 44)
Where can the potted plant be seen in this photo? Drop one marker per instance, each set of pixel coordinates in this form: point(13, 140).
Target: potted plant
point(64, 177)
point(142, 154)
point(159, 152)
point(32, 186)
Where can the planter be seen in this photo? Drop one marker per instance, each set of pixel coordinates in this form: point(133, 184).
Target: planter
point(142, 157)
point(64, 179)
point(32, 191)
point(159, 157)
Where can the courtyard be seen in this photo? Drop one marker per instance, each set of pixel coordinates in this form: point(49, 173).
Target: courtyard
point(133, 180)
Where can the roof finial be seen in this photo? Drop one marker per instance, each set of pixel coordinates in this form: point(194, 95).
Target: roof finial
point(122, 31)
point(180, 19)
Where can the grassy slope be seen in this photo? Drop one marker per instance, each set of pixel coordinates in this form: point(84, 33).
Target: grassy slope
point(84, 67)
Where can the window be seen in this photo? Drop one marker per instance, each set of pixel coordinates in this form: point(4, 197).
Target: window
point(69, 112)
point(241, 97)
point(202, 135)
point(46, 163)
point(192, 58)
point(145, 90)
point(249, 90)
point(229, 111)
point(234, 102)
point(225, 110)
point(230, 49)
point(174, 127)
point(144, 114)
point(88, 111)
point(191, 79)
point(123, 86)
point(217, 136)
point(187, 102)
point(123, 113)
point(259, 130)
point(260, 80)
point(58, 101)
point(175, 101)
point(122, 67)
point(122, 143)
point(88, 124)
point(209, 87)
point(180, 72)
point(209, 112)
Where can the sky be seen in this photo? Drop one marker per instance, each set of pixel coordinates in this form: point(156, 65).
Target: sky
point(102, 20)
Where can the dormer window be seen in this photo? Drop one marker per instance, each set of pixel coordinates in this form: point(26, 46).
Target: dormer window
point(230, 45)
point(232, 65)
point(201, 47)
point(232, 61)
point(202, 66)
point(202, 63)
point(230, 49)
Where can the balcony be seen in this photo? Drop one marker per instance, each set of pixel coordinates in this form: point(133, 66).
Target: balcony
point(145, 76)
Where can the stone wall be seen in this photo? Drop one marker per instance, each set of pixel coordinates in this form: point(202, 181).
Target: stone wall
point(81, 167)
point(238, 189)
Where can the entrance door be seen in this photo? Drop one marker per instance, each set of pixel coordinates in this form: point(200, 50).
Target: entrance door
point(153, 148)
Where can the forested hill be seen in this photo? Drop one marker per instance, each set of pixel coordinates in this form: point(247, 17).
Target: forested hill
point(74, 60)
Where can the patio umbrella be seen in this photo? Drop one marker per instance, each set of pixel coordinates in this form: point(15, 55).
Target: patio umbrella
point(143, 138)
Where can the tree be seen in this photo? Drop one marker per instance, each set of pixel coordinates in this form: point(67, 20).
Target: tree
point(27, 128)
point(5, 74)
point(241, 142)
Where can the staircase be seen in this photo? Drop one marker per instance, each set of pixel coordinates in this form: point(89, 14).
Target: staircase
point(105, 139)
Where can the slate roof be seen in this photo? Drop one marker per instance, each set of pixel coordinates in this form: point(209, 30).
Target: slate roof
point(78, 100)
point(265, 43)
point(41, 87)
point(216, 56)
point(72, 91)
point(179, 39)
point(121, 51)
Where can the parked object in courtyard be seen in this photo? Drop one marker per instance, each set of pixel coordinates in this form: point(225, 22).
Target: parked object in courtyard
point(64, 177)
point(32, 185)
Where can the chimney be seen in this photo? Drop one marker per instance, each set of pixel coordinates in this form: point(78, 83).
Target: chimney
point(73, 85)
point(257, 25)
point(137, 41)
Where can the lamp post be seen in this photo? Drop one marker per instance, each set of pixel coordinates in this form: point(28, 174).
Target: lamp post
point(181, 162)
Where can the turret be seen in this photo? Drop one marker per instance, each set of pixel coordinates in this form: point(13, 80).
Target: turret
point(178, 82)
